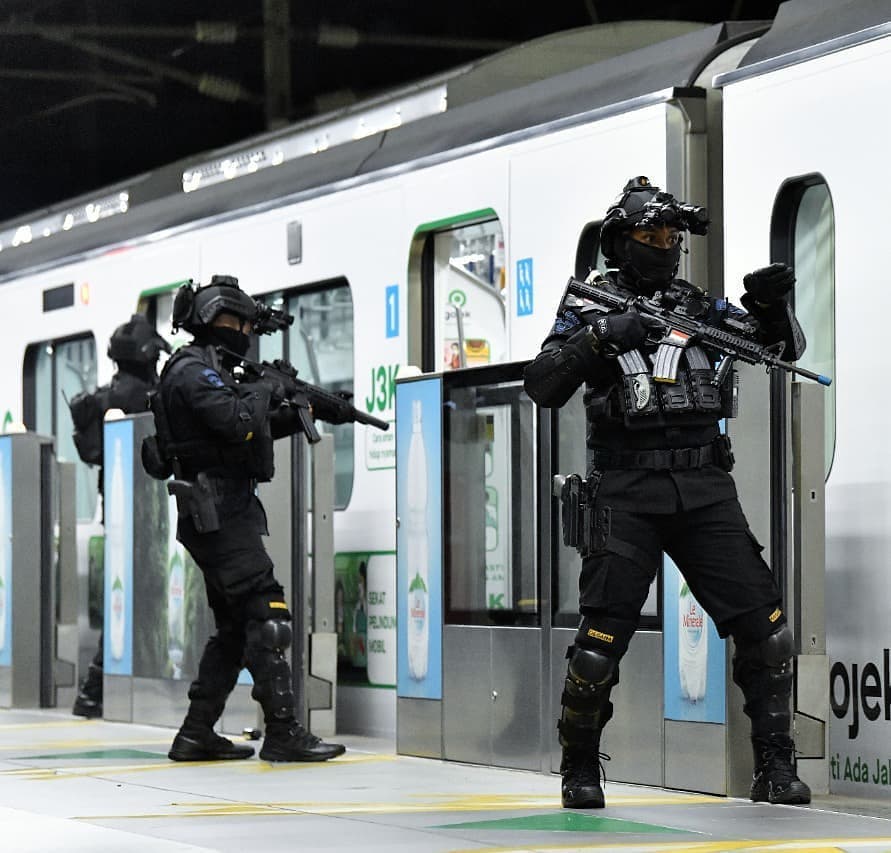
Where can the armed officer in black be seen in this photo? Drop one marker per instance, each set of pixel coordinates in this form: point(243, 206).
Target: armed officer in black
point(134, 347)
point(217, 435)
point(658, 480)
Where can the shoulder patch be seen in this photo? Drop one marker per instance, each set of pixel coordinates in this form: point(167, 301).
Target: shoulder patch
point(212, 377)
point(565, 321)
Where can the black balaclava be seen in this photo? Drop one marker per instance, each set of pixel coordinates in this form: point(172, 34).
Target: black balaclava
point(234, 342)
point(649, 268)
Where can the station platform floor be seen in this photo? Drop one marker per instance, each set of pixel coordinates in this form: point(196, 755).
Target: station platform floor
point(68, 784)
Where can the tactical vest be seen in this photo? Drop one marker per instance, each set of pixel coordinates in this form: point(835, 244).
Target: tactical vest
point(187, 456)
point(672, 384)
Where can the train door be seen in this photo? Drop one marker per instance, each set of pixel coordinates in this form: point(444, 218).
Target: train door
point(803, 236)
point(54, 371)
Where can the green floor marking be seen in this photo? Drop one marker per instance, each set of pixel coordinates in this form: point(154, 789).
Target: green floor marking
point(99, 753)
point(566, 821)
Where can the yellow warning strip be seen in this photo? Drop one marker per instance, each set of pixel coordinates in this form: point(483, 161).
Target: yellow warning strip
point(802, 845)
point(50, 725)
point(247, 765)
point(82, 743)
point(434, 804)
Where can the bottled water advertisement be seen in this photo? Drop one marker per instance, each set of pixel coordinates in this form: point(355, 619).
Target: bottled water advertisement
point(419, 538)
point(694, 656)
point(119, 547)
point(5, 552)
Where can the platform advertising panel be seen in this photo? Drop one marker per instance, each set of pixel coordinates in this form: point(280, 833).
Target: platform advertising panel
point(365, 618)
point(419, 538)
point(118, 635)
point(5, 551)
point(694, 664)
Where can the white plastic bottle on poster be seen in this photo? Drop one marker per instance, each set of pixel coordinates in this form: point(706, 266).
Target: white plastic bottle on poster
point(175, 614)
point(176, 583)
point(692, 646)
point(114, 523)
point(418, 554)
point(4, 541)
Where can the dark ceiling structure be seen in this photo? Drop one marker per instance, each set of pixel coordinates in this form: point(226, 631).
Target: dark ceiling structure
point(95, 91)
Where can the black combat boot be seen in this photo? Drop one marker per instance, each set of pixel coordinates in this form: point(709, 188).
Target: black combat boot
point(580, 771)
point(775, 779)
point(191, 744)
point(89, 698)
point(289, 741)
point(286, 739)
point(197, 741)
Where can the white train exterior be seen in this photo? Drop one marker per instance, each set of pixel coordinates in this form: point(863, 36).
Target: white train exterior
point(488, 200)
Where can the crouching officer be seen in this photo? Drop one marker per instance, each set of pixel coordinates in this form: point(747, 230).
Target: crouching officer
point(215, 435)
point(658, 481)
point(134, 347)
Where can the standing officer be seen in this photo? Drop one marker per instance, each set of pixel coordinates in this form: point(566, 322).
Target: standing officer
point(658, 479)
point(217, 436)
point(135, 348)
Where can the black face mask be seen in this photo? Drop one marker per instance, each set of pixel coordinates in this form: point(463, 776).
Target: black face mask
point(652, 263)
point(232, 339)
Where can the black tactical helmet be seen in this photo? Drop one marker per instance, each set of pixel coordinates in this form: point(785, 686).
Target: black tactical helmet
point(640, 205)
point(136, 342)
point(195, 309)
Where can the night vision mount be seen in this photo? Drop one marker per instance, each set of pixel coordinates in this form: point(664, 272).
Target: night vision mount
point(665, 209)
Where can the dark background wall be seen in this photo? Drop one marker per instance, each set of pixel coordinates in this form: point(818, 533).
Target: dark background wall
point(94, 91)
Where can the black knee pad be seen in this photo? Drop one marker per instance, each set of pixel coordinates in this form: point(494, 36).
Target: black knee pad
point(275, 634)
point(777, 649)
point(592, 667)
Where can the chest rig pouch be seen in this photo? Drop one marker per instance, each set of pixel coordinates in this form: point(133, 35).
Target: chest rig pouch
point(681, 380)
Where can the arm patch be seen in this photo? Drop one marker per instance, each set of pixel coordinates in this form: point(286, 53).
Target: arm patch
point(212, 377)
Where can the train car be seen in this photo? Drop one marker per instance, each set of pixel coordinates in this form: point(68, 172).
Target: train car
point(430, 228)
point(435, 227)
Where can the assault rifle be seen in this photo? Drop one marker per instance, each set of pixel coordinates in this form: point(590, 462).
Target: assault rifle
point(677, 330)
point(332, 407)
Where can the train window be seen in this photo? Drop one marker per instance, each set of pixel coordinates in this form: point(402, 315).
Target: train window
point(587, 255)
point(460, 277)
point(804, 236)
point(320, 345)
point(54, 372)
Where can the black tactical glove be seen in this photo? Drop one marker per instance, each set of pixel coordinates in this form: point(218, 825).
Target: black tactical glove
point(618, 333)
point(769, 284)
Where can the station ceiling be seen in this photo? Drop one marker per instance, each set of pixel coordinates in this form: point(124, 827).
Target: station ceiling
point(94, 91)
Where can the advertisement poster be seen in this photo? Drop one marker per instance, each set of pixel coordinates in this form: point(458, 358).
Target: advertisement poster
point(365, 618)
point(5, 552)
point(694, 659)
point(419, 538)
point(173, 622)
point(165, 635)
point(118, 490)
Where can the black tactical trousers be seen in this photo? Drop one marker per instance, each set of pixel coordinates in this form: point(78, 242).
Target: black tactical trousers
point(239, 580)
point(712, 546)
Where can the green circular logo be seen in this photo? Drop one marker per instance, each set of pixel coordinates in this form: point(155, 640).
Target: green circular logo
point(458, 298)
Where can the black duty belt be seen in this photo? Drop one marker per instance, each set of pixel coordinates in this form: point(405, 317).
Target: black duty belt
point(675, 459)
